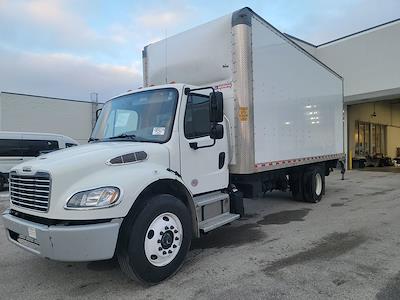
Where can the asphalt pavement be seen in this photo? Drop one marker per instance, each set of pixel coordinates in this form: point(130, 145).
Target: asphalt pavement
point(346, 247)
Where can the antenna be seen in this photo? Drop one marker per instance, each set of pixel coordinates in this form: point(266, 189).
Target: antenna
point(166, 53)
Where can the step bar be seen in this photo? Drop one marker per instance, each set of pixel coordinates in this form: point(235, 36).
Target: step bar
point(218, 221)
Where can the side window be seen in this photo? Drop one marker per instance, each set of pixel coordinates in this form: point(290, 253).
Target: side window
point(37, 147)
point(9, 147)
point(197, 116)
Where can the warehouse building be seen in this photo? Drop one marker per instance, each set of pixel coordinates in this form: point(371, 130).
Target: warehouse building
point(369, 63)
point(30, 113)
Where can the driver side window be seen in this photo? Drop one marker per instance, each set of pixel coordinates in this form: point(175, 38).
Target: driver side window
point(197, 116)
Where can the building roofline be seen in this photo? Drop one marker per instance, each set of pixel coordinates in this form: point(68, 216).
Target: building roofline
point(45, 97)
point(300, 40)
point(359, 32)
point(343, 37)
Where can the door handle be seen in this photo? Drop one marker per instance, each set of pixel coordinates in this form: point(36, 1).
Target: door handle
point(221, 160)
point(194, 145)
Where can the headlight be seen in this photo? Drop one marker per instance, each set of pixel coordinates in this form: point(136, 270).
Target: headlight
point(97, 198)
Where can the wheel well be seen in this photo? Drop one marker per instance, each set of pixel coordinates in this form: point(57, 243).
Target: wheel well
point(172, 187)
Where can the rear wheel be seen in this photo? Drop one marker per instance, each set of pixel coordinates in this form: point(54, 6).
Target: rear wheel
point(2, 182)
point(296, 186)
point(154, 242)
point(314, 184)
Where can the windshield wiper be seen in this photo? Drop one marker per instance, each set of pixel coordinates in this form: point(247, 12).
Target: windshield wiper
point(92, 139)
point(123, 136)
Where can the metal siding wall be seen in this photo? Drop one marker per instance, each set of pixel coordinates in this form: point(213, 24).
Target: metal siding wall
point(368, 62)
point(36, 114)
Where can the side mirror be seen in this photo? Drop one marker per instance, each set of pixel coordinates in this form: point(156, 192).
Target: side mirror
point(217, 132)
point(216, 107)
point(98, 113)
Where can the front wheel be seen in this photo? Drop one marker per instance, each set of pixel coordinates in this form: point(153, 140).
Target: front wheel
point(154, 242)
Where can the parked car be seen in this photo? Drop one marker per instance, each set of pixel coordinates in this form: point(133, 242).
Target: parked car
point(17, 147)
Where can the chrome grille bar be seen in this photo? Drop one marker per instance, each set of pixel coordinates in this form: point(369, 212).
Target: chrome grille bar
point(32, 192)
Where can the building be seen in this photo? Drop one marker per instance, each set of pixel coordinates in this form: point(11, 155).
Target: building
point(369, 63)
point(30, 113)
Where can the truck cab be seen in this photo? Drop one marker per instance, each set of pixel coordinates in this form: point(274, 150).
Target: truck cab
point(154, 174)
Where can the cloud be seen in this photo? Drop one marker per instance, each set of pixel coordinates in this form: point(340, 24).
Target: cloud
point(50, 25)
point(64, 76)
point(161, 19)
point(327, 21)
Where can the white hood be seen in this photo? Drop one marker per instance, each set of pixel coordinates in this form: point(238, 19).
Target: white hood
point(85, 167)
point(95, 155)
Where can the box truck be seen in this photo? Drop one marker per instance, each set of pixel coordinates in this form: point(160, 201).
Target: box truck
point(227, 108)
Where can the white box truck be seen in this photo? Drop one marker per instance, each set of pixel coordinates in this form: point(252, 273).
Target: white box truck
point(252, 112)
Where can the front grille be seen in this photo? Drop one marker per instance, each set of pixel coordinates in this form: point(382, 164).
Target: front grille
point(31, 192)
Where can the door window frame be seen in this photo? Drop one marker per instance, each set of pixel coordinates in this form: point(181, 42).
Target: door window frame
point(184, 117)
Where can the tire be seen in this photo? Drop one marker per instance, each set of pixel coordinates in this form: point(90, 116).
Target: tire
point(313, 184)
point(296, 186)
point(154, 240)
point(2, 182)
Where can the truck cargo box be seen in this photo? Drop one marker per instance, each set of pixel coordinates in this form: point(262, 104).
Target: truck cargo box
point(284, 107)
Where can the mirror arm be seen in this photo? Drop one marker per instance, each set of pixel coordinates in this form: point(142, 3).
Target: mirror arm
point(188, 90)
point(195, 146)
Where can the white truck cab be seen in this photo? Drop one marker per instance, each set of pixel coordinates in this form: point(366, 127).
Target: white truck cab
point(70, 205)
point(169, 162)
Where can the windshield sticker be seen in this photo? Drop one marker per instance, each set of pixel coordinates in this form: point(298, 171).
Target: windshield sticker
point(158, 130)
point(122, 119)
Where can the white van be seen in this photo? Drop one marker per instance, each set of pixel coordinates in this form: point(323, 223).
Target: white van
point(17, 147)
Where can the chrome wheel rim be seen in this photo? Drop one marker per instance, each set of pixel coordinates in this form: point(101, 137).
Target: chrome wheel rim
point(318, 184)
point(163, 239)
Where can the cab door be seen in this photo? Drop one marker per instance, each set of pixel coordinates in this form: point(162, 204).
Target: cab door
point(202, 169)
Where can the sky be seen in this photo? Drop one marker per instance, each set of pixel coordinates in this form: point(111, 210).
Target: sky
point(72, 48)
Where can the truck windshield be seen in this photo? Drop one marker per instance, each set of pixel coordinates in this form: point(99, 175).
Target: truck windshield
point(144, 116)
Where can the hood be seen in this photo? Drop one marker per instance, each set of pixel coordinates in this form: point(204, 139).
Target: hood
point(86, 167)
point(91, 157)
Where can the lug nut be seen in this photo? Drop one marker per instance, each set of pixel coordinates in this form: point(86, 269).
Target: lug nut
point(158, 241)
point(172, 227)
point(176, 238)
point(161, 233)
point(159, 249)
point(169, 251)
point(174, 246)
point(175, 231)
point(166, 228)
point(164, 252)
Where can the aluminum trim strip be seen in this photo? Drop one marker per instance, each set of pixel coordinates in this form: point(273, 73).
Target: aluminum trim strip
point(27, 199)
point(40, 208)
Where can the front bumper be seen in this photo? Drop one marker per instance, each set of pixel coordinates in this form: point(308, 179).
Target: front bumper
point(64, 243)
